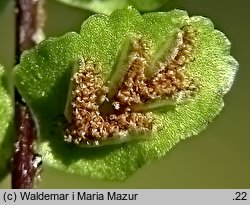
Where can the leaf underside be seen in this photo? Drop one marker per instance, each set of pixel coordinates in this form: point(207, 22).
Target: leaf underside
point(6, 112)
point(108, 6)
point(43, 76)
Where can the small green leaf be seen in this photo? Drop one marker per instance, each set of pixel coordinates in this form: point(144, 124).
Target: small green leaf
point(108, 6)
point(44, 76)
point(6, 114)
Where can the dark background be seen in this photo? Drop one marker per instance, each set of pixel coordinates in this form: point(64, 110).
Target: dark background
point(219, 157)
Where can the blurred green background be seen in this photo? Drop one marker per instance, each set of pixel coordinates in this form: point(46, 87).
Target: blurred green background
point(219, 157)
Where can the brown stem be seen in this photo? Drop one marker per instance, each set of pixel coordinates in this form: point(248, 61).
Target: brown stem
point(25, 162)
point(29, 22)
